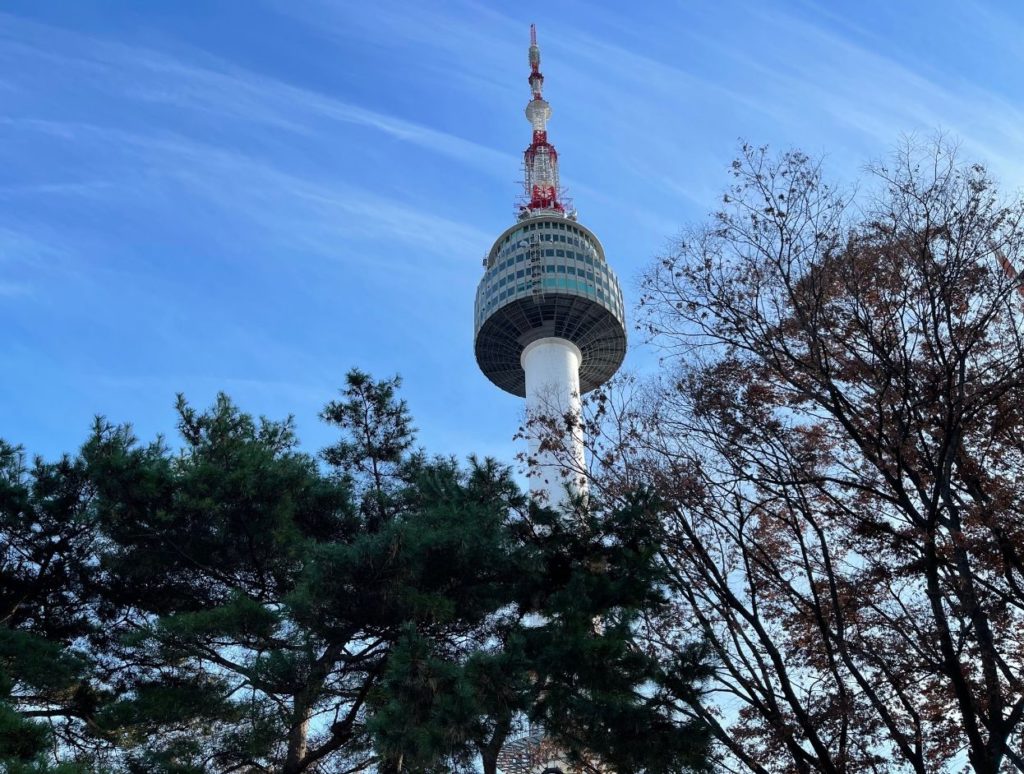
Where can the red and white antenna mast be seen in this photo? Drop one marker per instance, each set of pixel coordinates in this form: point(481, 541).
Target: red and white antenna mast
point(540, 160)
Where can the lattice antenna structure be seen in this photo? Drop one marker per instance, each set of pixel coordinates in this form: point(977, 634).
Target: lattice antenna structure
point(542, 191)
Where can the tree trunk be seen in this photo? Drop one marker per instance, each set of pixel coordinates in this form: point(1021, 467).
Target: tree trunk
point(297, 739)
point(489, 752)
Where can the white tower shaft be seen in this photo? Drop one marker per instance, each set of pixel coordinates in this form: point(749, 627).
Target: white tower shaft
point(555, 435)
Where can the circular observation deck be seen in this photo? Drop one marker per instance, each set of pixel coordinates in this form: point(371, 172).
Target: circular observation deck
point(547, 276)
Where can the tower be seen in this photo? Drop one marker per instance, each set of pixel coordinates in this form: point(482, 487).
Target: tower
point(549, 322)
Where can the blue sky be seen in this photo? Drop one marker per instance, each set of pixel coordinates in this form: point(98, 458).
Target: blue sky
point(253, 197)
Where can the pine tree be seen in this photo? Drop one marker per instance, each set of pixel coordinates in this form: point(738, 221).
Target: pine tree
point(46, 606)
point(235, 604)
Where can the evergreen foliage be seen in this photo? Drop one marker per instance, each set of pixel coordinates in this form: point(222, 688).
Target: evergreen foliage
point(234, 604)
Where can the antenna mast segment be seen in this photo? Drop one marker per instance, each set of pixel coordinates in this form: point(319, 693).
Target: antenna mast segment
point(540, 160)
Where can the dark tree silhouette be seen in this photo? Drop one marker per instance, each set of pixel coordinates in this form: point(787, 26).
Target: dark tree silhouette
point(838, 435)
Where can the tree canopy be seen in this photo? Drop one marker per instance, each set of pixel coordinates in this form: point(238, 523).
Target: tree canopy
point(838, 440)
point(235, 604)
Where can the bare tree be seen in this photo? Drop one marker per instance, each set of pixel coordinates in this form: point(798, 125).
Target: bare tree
point(838, 437)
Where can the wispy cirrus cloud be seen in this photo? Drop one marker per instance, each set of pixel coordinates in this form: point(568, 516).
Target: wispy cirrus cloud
point(153, 168)
point(221, 88)
point(319, 213)
point(827, 79)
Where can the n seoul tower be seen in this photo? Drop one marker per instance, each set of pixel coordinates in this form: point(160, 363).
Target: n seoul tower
point(549, 317)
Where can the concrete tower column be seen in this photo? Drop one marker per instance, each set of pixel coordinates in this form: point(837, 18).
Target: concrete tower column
point(552, 371)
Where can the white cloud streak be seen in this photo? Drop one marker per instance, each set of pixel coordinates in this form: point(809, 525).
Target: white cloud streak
point(224, 89)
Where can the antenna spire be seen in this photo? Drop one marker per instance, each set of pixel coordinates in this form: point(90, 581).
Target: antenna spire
point(540, 160)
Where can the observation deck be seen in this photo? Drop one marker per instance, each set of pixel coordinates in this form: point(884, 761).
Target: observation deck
point(547, 276)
